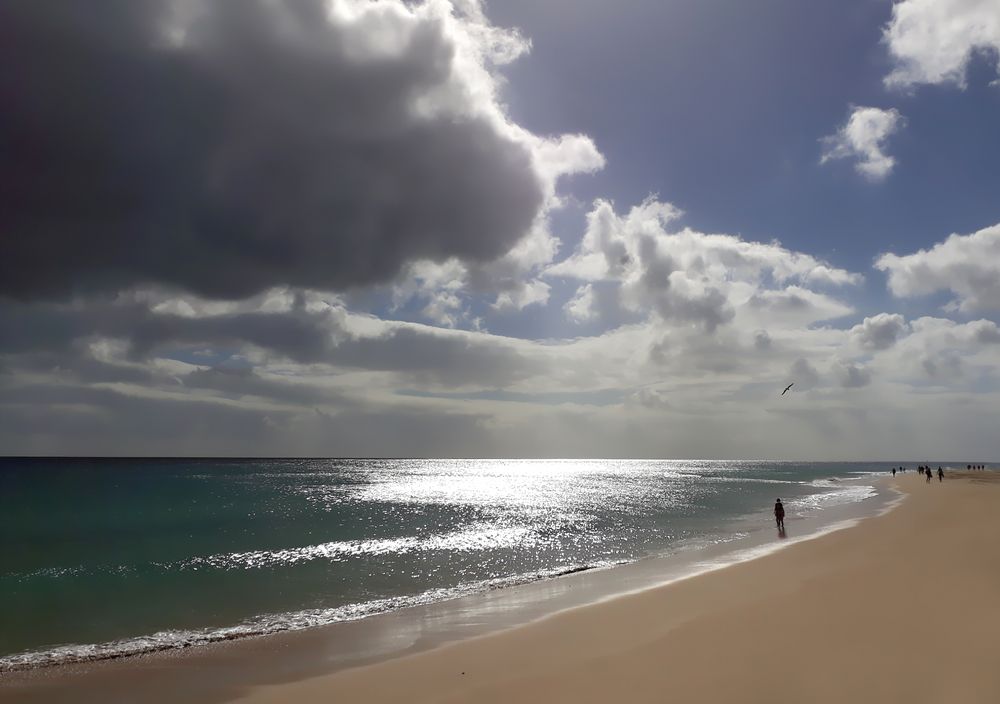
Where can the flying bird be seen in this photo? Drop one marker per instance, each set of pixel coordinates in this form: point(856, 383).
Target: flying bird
point(787, 388)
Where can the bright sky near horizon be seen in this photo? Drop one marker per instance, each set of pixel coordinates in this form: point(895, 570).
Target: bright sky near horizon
point(519, 228)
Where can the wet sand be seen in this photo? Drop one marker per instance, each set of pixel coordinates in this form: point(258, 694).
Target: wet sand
point(901, 608)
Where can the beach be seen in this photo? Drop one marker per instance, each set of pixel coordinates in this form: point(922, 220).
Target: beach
point(902, 607)
point(897, 607)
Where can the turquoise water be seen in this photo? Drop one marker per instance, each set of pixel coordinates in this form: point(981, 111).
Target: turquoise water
point(106, 557)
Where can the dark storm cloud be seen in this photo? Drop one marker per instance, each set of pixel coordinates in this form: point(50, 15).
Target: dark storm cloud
point(253, 145)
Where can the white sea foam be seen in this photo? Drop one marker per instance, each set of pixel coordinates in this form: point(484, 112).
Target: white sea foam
point(266, 624)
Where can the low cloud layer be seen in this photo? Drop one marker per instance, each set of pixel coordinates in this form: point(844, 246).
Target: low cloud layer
point(862, 140)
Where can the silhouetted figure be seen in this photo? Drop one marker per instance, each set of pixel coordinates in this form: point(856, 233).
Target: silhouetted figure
point(920, 469)
point(779, 515)
point(929, 474)
point(940, 474)
point(894, 471)
point(968, 466)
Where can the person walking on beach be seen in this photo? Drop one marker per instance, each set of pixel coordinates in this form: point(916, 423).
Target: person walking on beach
point(940, 474)
point(779, 514)
point(929, 475)
point(894, 471)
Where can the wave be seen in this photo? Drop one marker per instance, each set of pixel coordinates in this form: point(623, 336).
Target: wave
point(269, 624)
point(837, 495)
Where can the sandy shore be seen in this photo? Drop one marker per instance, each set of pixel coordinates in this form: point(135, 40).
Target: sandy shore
point(903, 608)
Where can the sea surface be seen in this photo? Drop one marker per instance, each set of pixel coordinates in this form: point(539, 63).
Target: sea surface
point(108, 557)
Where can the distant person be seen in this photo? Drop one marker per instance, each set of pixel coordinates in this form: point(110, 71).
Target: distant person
point(779, 514)
point(928, 473)
point(968, 467)
point(894, 471)
point(920, 469)
point(940, 474)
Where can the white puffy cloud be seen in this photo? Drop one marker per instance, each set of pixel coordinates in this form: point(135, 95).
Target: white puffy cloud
point(932, 41)
point(948, 356)
point(862, 138)
point(580, 308)
point(684, 277)
point(966, 265)
point(879, 332)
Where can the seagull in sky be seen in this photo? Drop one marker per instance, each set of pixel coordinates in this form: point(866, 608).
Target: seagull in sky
point(787, 388)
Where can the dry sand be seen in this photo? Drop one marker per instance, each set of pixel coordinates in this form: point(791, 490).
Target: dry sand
point(902, 608)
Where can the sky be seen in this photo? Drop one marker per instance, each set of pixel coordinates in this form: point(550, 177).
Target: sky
point(518, 228)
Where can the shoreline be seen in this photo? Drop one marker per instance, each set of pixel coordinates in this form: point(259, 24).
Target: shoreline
point(84, 638)
point(901, 608)
point(301, 654)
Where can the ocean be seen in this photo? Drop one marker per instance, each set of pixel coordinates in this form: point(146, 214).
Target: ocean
point(109, 557)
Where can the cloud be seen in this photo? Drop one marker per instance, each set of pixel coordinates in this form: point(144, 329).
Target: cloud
point(761, 340)
point(966, 265)
point(880, 331)
point(252, 337)
point(940, 356)
point(933, 41)
point(307, 331)
point(804, 374)
point(862, 138)
point(852, 376)
point(637, 264)
point(226, 148)
point(580, 308)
